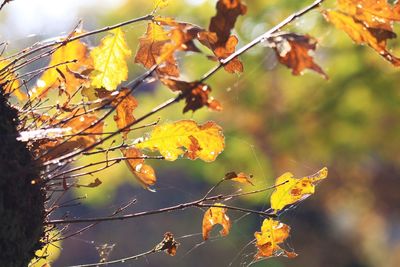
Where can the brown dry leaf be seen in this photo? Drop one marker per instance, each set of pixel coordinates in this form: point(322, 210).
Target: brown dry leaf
point(294, 51)
point(109, 58)
point(85, 129)
point(272, 234)
point(240, 177)
point(168, 244)
point(10, 82)
point(222, 52)
point(143, 172)
point(196, 94)
point(150, 51)
point(187, 138)
point(213, 216)
point(54, 77)
point(367, 22)
point(124, 111)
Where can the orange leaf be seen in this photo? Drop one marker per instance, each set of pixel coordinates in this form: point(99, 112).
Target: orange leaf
point(124, 112)
point(240, 177)
point(272, 234)
point(214, 216)
point(143, 172)
point(222, 52)
point(196, 94)
point(168, 244)
point(54, 77)
point(10, 83)
point(294, 50)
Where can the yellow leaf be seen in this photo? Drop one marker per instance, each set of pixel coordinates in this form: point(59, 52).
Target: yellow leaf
point(109, 58)
point(214, 216)
point(290, 190)
point(186, 137)
point(49, 253)
point(143, 172)
point(160, 3)
point(240, 177)
point(53, 77)
point(267, 241)
point(13, 84)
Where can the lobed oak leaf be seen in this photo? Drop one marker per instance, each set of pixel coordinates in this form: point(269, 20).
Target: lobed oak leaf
point(290, 190)
point(143, 172)
point(110, 67)
point(150, 51)
point(213, 216)
point(240, 177)
point(196, 94)
point(186, 138)
point(124, 111)
point(64, 74)
point(272, 234)
point(294, 50)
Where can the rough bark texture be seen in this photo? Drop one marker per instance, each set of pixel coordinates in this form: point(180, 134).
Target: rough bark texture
point(21, 202)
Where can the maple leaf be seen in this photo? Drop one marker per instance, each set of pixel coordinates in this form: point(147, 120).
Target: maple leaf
point(186, 137)
point(196, 94)
point(150, 51)
point(293, 50)
point(124, 111)
point(272, 234)
point(65, 74)
point(143, 172)
point(10, 83)
point(213, 216)
point(290, 190)
point(367, 22)
point(109, 58)
point(240, 177)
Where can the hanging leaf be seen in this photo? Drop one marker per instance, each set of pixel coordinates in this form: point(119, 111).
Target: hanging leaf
point(168, 244)
point(110, 67)
point(196, 94)
point(367, 22)
point(186, 138)
point(240, 177)
point(294, 51)
point(290, 190)
point(64, 74)
point(272, 234)
point(124, 111)
point(214, 216)
point(143, 172)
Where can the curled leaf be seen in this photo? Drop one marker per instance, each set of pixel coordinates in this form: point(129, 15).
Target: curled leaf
point(294, 51)
point(272, 234)
point(214, 216)
point(240, 177)
point(290, 190)
point(144, 173)
point(109, 58)
point(168, 244)
point(187, 138)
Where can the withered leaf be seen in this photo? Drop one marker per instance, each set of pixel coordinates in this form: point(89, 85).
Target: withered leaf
point(124, 111)
point(143, 172)
point(294, 50)
point(187, 138)
point(240, 177)
point(272, 234)
point(196, 94)
point(168, 244)
point(213, 216)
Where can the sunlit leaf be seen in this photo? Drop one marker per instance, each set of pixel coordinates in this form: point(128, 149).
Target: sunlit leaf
point(124, 111)
point(272, 234)
point(196, 94)
point(168, 244)
point(10, 82)
point(290, 190)
point(214, 216)
point(240, 177)
point(64, 74)
point(143, 172)
point(187, 138)
point(50, 252)
point(294, 51)
point(109, 58)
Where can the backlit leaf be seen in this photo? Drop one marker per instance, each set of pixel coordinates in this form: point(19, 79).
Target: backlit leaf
point(168, 244)
point(214, 216)
point(143, 172)
point(294, 50)
point(290, 190)
point(272, 234)
point(124, 111)
point(109, 58)
point(186, 138)
point(63, 74)
point(10, 82)
point(240, 177)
